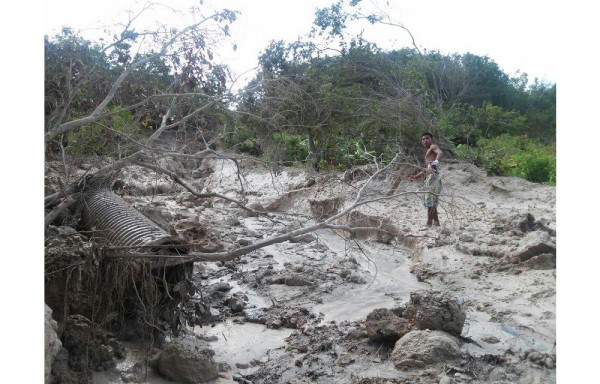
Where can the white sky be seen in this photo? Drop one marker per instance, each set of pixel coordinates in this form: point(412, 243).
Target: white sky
point(519, 35)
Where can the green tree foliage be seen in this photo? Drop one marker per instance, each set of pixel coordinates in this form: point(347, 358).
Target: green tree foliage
point(365, 103)
point(486, 83)
point(465, 124)
point(380, 102)
point(179, 88)
point(340, 110)
point(114, 136)
point(539, 108)
point(77, 76)
point(336, 103)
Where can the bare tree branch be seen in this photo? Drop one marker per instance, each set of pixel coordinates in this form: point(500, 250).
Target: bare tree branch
point(189, 188)
point(53, 215)
point(96, 114)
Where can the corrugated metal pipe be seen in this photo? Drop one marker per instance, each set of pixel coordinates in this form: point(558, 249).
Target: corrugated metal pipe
point(112, 218)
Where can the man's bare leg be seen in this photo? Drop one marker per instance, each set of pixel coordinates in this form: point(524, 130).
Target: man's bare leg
point(429, 217)
point(434, 214)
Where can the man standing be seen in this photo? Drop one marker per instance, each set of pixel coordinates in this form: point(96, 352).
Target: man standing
point(433, 182)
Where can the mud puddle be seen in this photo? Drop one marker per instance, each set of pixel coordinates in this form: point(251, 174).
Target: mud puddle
point(498, 337)
point(384, 270)
point(378, 275)
point(243, 345)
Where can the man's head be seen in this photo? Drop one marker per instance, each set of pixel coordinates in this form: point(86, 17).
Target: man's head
point(427, 139)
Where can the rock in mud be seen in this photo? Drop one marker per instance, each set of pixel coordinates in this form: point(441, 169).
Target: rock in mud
point(543, 261)
point(420, 348)
point(237, 303)
point(221, 287)
point(185, 362)
point(541, 359)
point(255, 209)
point(233, 221)
point(290, 280)
point(534, 244)
point(383, 325)
point(435, 310)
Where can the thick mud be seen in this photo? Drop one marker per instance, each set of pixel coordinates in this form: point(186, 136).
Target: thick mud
point(296, 311)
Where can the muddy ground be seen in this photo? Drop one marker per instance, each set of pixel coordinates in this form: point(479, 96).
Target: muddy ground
point(338, 307)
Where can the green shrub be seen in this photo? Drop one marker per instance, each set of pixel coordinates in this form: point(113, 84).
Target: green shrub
point(359, 155)
point(290, 148)
point(112, 136)
point(538, 166)
point(468, 153)
point(244, 140)
point(508, 155)
point(466, 124)
point(540, 170)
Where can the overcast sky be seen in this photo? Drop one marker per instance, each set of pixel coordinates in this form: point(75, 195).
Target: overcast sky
point(518, 35)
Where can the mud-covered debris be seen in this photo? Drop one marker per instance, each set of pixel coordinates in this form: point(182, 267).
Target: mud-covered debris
point(86, 349)
point(435, 310)
point(291, 280)
point(521, 224)
point(295, 318)
point(186, 361)
point(420, 348)
point(306, 238)
point(255, 210)
point(323, 209)
point(534, 244)
point(384, 325)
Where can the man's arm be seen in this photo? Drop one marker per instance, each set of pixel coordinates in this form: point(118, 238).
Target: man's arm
point(438, 152)
point(435, 163)
point(415, 177)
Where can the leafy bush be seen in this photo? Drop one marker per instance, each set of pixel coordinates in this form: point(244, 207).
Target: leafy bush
point(493, 121)
point(508, 155)
point(538, 165)
point(110, 136)
point(288, 149)
point(359, 155)
point(251, 146)
point(243, 139)
point(457, 125)
point(469, 154)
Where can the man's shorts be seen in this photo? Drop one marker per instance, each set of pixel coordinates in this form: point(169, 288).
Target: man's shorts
point(433, 186)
